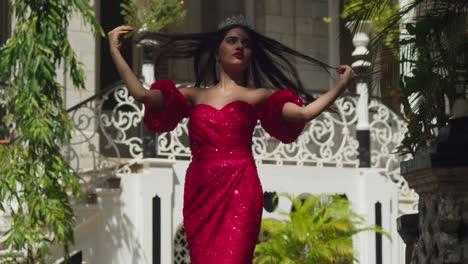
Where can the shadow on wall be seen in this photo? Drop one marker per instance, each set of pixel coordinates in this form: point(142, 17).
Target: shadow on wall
point(120, 236)
point(108, 236)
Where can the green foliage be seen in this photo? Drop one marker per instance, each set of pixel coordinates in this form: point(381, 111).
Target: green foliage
point(437, 55)
point(380, 20)
point(35, 178)
point(152, 15)
point(432, 52)
point(319, 230)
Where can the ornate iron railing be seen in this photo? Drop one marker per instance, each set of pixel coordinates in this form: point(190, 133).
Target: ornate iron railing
point(326, 141)
point(108, 138)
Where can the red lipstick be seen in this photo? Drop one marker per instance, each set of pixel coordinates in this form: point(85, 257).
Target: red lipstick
point(239, 55)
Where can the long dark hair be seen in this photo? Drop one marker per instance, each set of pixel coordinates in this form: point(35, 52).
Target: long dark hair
point(270, 66)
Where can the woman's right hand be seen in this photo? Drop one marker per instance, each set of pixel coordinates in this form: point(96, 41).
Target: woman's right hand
point(115, 36)
point(346, 74)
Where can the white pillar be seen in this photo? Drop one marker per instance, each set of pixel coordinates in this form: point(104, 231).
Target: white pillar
point(148, 50)
point(147, 70)
point(362, 106)
point(157, 180)
point(360, 41)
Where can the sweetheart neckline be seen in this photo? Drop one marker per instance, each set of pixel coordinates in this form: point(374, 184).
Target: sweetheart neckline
point(224, 106)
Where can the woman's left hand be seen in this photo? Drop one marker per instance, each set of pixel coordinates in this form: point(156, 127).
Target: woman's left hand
point(294, 113)
point(346, 74)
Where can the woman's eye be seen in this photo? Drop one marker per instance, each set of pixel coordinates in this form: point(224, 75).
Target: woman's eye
point(231, 40)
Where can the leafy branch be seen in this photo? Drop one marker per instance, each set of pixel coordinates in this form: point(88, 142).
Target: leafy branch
point(152, 15)
point(35, 177)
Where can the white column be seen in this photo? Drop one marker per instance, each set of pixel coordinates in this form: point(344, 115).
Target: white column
point(362, 106)
point(147, 70)
point(360, 42)
point(157, 180)
point(362, 239)
point(148, 51)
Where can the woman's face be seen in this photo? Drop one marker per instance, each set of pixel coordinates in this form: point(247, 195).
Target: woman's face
point(235, 50)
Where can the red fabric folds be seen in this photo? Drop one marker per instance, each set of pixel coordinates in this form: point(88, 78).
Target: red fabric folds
point(270, 115)
point(175, 107)
point(223, 196)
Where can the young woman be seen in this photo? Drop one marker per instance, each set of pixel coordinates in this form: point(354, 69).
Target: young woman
point(248, 73)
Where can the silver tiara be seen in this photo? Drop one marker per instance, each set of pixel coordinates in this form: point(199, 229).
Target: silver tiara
point(236, 20)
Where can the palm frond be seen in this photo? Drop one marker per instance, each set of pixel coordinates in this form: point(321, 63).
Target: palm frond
point(320, 230)
point(432, 55)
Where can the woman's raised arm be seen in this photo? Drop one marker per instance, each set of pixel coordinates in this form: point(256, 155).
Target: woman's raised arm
point(294, 113)
point(134, 86)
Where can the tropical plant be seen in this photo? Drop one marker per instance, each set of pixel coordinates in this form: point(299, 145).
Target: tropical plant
point(35, 178)
point(319, 230)
point(379, 21)
point(431, 48)
point(152, 15)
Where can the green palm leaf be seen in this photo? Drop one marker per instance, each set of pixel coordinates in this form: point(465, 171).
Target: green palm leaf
point(319, 230)
point(426, 41)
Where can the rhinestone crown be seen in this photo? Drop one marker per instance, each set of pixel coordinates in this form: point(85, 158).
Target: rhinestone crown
point(236, 20)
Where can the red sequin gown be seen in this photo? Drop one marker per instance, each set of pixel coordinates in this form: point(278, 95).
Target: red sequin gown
point(223, 197)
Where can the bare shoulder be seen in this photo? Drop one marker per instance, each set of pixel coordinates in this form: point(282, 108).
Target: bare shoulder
point(190, 93)
point(263, 93)
point(188, 90)
point(256, 96)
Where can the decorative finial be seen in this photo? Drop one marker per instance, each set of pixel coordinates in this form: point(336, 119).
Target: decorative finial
point(236, 20)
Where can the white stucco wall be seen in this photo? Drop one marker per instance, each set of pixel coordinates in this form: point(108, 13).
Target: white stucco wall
point(85, 44)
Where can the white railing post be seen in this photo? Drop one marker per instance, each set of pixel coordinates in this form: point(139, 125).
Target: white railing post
point(149, 52)
point(361, 65)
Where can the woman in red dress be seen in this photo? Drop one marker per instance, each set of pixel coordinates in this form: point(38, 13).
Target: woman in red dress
point(222, 195)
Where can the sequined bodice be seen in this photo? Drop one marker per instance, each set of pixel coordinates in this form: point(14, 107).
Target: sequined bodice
point(222, 195)
point(225, 130)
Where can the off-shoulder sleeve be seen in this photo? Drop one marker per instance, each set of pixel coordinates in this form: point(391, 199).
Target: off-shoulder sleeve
point(271, 119)
point(175, 107)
